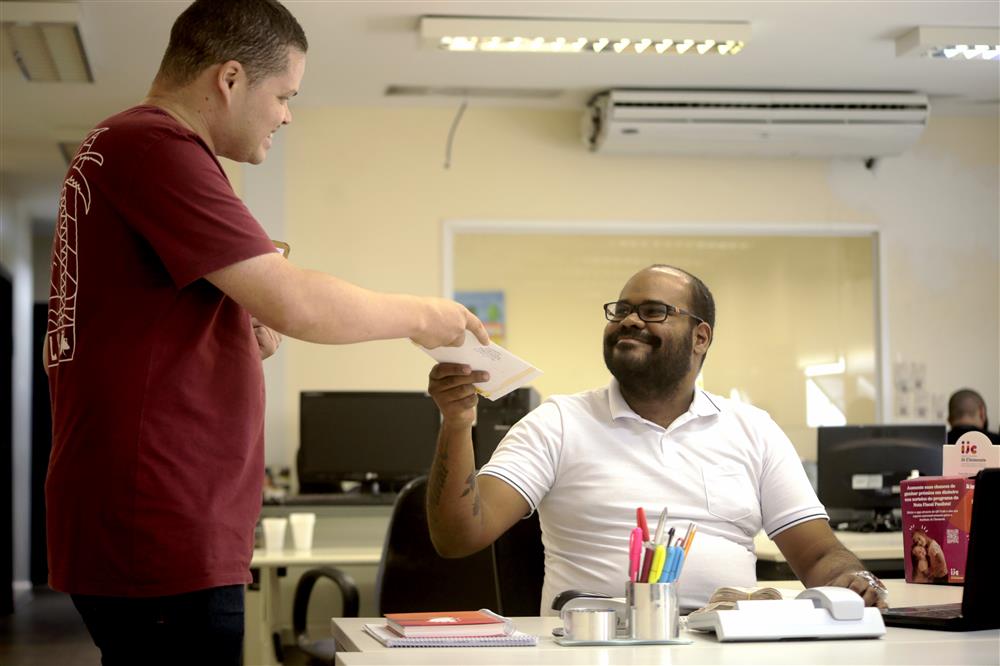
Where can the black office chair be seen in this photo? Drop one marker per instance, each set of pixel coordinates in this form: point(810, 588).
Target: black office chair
point(520, 563)
point(412, 577)
point(321, 651)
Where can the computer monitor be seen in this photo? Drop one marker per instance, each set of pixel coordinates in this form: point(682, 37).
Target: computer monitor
point(860, 466)
point(382, 439)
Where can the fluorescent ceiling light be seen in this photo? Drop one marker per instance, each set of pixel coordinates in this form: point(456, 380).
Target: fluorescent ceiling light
point(951, 43)
point(521, 35)
point(48, 52)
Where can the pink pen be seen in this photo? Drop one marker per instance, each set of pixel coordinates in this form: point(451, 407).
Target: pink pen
point(634, 553)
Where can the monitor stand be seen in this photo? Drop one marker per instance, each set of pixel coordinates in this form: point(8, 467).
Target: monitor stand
point(880, 520)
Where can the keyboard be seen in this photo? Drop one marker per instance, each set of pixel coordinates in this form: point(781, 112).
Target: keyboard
point(341, 499)
point(937, 610)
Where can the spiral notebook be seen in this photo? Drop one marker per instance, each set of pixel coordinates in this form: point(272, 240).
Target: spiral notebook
point(389, 638)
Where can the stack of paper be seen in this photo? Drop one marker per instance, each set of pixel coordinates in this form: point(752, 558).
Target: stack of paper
point(507, 371)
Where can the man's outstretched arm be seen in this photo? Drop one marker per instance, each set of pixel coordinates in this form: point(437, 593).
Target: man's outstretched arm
point(465, 513)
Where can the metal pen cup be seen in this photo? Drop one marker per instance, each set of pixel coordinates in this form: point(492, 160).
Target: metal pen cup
point(589, 624)
point(652, 611)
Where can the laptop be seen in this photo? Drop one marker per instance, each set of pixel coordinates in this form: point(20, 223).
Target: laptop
point(978, 609)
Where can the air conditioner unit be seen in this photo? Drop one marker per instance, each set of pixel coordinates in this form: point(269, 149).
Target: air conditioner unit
point(763, 123)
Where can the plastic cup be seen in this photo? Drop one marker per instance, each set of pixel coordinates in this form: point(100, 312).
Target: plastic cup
point(274, 533)
point(302, 530)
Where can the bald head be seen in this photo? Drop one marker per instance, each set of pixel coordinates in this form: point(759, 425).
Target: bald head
point(966, 407)
point(701, 301)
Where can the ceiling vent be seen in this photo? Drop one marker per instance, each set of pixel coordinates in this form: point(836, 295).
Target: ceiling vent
point(755, 123)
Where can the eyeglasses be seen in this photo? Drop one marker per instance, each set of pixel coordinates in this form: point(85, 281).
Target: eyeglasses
point(648, 311)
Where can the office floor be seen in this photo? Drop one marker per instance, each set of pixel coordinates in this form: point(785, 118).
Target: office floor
point(46, 631)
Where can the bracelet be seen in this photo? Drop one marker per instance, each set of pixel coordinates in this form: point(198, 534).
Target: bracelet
point(873, 582)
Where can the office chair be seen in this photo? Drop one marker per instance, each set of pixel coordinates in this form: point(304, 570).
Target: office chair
point(412, 577)
point(520, 563)
point(321, 651)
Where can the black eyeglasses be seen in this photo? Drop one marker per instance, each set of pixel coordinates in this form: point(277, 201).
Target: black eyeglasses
point(648, 311)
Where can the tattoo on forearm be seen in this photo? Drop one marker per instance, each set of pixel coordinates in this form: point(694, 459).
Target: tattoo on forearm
point(471, 487)
point(439, 475)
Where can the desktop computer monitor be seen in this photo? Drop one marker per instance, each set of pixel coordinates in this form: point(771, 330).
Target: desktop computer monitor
point(859, 467)
point(382, 439)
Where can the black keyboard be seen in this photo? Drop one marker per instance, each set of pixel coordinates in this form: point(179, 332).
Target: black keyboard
point(341, 499)
point(937, 610)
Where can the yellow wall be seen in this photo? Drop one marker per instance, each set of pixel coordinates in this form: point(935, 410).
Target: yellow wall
point(366, 195)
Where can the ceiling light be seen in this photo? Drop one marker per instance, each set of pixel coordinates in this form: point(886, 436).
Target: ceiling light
point(950, 43)
point(48, 51)
point(521, 35)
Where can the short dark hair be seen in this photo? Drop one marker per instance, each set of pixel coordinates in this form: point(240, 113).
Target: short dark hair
point(255, 33)
point(964, 402)
point(702, 301)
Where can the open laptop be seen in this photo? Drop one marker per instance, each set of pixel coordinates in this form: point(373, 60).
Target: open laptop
point(978, 609)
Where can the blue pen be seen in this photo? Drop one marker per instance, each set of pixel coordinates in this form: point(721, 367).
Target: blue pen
point(671, 557)
point(678, 563)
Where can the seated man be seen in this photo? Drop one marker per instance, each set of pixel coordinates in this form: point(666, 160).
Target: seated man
point(966, 412)
point(649, 439)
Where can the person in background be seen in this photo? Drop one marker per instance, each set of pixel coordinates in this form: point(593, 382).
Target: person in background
point(650, 439)
point(166, 295)
point(967, 411)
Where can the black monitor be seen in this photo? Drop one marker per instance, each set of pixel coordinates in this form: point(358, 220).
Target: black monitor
point(860, 466)
point(383, 439)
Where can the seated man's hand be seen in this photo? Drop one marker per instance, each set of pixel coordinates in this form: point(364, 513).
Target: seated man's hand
point(866, 584)
point(451, 387)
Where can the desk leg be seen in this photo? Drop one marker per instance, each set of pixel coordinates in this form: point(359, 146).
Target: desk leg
point(260, 620)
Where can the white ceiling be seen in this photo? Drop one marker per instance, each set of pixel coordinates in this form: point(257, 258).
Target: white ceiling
point(358, 49)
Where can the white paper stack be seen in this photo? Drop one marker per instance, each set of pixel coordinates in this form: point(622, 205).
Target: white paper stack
point(507, 371)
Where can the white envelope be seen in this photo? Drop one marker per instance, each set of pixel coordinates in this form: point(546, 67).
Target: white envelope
point(507, 371)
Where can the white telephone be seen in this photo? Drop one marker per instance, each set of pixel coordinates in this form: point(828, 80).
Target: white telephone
point(818, 612)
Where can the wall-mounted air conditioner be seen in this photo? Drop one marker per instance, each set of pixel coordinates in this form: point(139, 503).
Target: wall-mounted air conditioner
point(785, 123)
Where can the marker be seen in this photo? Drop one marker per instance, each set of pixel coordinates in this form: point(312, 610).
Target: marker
point(660, 525)
point(647, 561)
point(640, 520)
point(659, 555)
point(634, 553)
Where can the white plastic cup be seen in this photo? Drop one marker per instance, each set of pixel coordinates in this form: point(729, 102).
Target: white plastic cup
point(302, 530)
point(274, 533)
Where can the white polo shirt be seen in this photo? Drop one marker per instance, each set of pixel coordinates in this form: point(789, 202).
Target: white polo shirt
point(587, 461)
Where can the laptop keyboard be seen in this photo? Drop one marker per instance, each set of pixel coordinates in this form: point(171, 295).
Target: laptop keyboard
point(937, 610)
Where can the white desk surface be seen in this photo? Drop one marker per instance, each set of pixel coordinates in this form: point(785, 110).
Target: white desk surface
point(898, 646)
point(866, 545)
point(338, 555)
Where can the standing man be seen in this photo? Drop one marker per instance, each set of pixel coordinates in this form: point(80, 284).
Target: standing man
point(166, 294)
point(967, 411)
point(650, 439)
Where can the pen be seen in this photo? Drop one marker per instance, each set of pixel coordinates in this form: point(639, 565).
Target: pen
point(670, 536)
point(640, 520)
point(668, 566)
point(634, 553)
point(659, 555)
point(675, 573)
point(690, 539)
point(660, 525)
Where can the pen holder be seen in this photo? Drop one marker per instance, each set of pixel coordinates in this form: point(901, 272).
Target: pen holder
point(652, 611)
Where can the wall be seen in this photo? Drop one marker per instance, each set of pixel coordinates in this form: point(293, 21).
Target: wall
point(366, 195)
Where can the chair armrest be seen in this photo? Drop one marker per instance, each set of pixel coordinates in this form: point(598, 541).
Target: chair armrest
point(348, 592)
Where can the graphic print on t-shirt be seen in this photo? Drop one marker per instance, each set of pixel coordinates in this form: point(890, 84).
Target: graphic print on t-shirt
point(74, 203)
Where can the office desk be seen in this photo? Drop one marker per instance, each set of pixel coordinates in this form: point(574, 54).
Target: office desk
point(881, 552)
point(263, 606)
point(898, 646)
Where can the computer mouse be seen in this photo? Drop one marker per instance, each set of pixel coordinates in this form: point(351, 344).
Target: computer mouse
point(842, 603)
point(560, 599)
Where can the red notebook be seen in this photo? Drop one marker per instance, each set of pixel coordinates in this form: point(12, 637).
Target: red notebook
point(448, 623)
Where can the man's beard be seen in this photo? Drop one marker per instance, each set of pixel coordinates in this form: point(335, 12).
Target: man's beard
point(659, 375)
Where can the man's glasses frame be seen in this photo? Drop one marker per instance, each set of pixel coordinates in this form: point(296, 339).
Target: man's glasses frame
point(648, 311)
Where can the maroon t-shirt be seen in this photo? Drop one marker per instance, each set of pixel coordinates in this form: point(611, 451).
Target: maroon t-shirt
point(154, 483)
